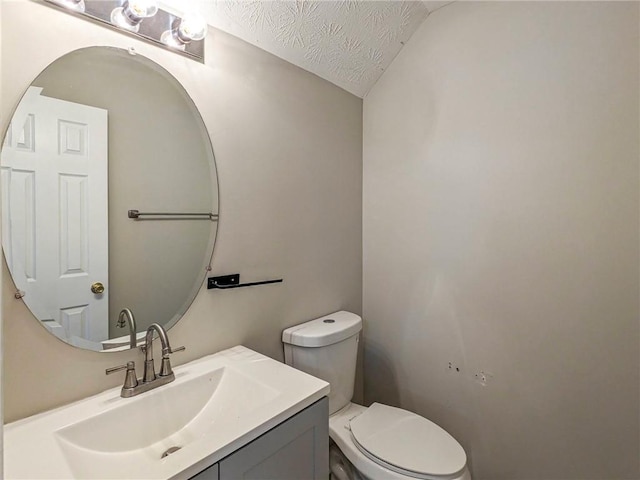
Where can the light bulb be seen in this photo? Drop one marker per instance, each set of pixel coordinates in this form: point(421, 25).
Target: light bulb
point(140, 9)
point(132, 13)
point(191, 27)
point(170, 39)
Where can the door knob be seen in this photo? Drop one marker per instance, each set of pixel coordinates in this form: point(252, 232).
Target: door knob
point(97, 287)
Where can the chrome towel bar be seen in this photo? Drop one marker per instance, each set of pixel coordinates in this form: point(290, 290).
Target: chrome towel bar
point(137, 214)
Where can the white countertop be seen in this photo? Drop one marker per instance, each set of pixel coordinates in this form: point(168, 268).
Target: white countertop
point(106, 436)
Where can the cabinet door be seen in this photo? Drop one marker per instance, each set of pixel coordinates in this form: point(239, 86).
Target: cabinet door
point(297, 449)
point(210, 473)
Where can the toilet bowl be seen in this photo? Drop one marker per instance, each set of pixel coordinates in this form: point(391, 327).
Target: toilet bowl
point(379, 442)
point(369, 466)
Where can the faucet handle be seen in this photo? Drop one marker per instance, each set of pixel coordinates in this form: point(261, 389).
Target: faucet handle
point(143, 349)
point(165, 366)
point(167, 350)
point(111, 370)
point(130, 380)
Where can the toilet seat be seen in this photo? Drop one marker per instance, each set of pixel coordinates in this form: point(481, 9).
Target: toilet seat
point(399, 440)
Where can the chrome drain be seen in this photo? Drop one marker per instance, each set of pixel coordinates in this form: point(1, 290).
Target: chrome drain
point(170, 451)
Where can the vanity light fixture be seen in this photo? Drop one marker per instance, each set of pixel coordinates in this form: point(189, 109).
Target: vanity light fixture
point(132, 12)
point(191, 27)
point(145, 20)
point(75, 5)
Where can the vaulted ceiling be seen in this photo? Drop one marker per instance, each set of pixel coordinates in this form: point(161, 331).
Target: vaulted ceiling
point(347, 42)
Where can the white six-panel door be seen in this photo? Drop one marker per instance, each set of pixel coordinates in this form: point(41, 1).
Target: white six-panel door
point(54, 181)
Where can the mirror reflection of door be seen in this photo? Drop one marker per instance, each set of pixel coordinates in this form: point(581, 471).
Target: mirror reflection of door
point(54, 211)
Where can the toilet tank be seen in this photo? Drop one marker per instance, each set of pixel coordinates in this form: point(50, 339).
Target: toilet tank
point(326, 348)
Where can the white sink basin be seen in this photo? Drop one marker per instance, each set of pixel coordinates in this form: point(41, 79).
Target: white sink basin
point(216, 405)
point(174, 416)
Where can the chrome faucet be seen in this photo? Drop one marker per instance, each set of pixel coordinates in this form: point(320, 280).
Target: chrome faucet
point(165, 366)
point(128, 314)
point(134, 386)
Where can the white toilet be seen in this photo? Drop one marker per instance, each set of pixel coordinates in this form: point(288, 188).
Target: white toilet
point(375, 443)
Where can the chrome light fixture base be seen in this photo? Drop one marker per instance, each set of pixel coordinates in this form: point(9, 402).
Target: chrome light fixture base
point(150, 29)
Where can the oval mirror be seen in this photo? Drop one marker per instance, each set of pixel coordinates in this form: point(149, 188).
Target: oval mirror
point(99, 133)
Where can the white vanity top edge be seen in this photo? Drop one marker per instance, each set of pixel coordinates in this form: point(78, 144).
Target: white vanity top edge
point(246, 395)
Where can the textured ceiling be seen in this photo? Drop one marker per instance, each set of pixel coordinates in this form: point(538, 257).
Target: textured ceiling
point(347, 42)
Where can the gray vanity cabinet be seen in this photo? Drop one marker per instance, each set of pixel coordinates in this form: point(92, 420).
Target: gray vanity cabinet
point(297, 449)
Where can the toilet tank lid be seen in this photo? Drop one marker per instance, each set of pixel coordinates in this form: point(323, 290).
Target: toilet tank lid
point(323, 331)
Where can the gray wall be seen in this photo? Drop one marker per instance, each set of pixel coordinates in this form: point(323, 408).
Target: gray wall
point(2, 122)
point(501, 234)
point(288, 148)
